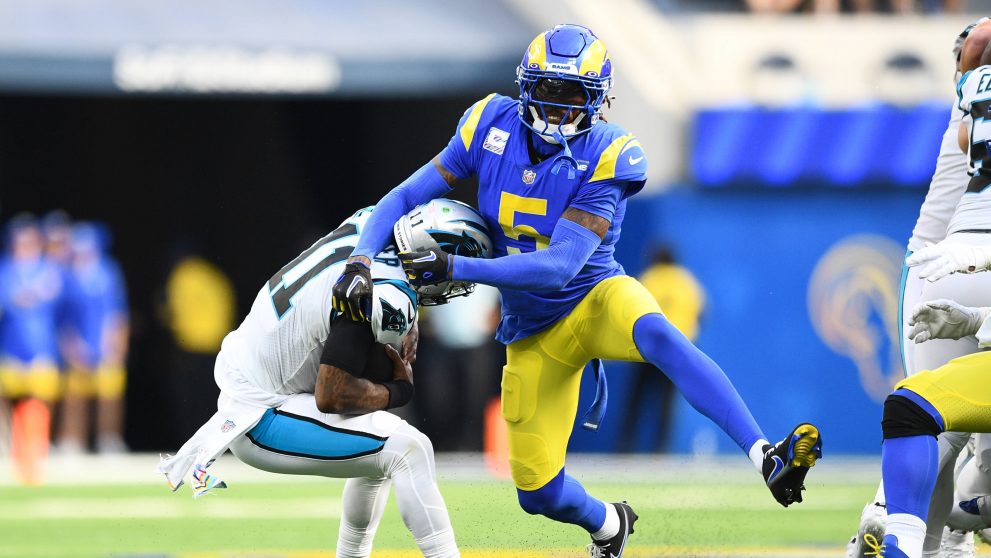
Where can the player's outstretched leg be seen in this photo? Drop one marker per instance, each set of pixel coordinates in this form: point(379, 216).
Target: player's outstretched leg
point(706, 387)
point(787, 462)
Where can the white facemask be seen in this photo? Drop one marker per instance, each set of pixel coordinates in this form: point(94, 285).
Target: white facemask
point(546, 131)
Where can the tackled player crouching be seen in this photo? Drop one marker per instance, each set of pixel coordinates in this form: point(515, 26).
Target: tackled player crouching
point(302, 395)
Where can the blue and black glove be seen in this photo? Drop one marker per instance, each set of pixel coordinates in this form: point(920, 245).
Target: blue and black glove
point(426, 268)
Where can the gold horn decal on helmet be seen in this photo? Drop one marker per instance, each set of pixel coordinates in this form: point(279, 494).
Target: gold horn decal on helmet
point(594, 59)
point(536, 55)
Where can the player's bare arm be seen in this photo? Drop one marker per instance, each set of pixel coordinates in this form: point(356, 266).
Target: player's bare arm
point(594, 223)
point(340, 392)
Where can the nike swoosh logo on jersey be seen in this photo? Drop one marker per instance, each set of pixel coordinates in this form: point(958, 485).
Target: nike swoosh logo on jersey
point(635, 161)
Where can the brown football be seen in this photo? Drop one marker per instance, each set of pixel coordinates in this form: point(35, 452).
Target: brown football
point(378, 367)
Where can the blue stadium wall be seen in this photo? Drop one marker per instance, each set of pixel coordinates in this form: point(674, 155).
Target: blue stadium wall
point(802, 292)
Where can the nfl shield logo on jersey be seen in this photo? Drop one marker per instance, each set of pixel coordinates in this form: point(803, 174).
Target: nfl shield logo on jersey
point(228, 425)
point(529, 176)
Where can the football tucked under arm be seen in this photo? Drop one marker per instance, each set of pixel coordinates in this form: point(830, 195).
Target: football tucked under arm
point(358, 375)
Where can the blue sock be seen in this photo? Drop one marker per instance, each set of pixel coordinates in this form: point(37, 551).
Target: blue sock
point(564, 499)
point(891, 549)
point(908, 467)
point(700, 380)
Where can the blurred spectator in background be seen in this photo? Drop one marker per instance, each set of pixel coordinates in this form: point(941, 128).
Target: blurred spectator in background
point(904, 80)
point(460, 363)
point(682, 300)
point(95, 344)
point(30, 294)
point(778, 82)
point(57, 228)
point(199, 310)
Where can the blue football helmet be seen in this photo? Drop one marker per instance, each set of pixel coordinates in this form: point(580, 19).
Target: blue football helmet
point(561, 65)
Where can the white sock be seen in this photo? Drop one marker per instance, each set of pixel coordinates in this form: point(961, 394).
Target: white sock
point(909, 530)
point(879, 496)
point(439, 545)
point(756, 454)
point(610, 527)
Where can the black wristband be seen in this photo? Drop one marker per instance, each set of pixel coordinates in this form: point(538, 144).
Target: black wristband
point(400, 393)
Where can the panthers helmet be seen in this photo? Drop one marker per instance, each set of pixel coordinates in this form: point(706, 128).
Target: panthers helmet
point(448, 225)
point(560, 64)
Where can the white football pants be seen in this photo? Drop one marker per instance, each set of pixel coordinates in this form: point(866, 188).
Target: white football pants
point(372, 451)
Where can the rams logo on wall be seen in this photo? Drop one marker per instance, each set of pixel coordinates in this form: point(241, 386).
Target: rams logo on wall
point(853, 304)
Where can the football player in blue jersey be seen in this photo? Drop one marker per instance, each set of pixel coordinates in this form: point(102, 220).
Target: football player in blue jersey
point(554, 178)
point(95, 343)
point(31, 291)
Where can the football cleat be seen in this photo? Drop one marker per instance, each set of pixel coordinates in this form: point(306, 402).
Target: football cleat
point(957, 544)
point(204, 482)
point(787, 462)
point(613, 548)
point(872, 522)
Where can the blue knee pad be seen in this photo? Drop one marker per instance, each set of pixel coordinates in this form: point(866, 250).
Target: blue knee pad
point(564, 499)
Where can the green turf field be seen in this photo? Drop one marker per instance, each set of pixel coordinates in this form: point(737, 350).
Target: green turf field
point(300, 518)
point(687, 509)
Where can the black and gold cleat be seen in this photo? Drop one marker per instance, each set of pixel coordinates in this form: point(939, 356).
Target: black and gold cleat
point(613, 548)
point(787, 462)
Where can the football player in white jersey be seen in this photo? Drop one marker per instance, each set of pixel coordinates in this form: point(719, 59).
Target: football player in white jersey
point(303, 393)
point(946, 189)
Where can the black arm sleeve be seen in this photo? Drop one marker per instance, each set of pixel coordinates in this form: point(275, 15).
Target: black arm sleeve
point(348, 345)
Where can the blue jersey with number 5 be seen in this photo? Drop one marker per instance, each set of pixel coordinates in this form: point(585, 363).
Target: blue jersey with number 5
point(522, 201)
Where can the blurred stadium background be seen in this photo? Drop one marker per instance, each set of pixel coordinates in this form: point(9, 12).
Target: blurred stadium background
point(789, 151)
